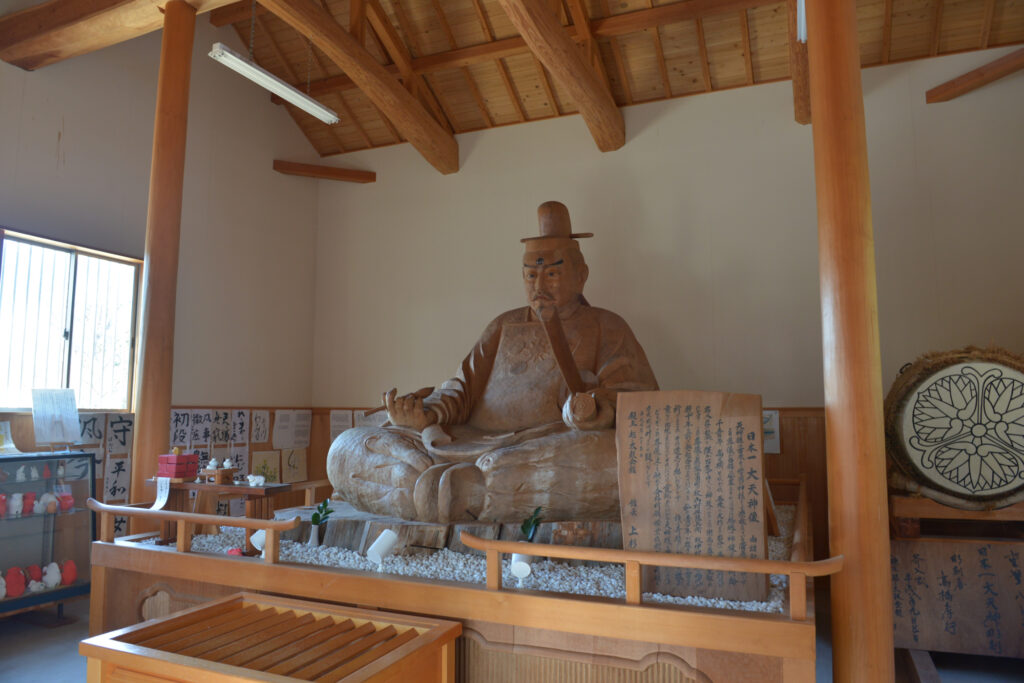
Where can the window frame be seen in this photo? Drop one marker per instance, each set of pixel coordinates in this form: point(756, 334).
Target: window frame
point(76, 250)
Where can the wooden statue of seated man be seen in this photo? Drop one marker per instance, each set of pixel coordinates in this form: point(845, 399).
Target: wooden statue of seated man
point(507, 434)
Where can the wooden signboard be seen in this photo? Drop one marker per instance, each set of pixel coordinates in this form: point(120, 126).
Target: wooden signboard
point(691, 482)
point(959, 595)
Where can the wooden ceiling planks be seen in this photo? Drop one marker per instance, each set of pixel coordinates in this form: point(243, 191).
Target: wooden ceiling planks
point(769, 43)
point(645, 49)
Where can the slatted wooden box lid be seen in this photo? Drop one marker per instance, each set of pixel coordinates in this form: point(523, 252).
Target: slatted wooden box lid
point(248, 636)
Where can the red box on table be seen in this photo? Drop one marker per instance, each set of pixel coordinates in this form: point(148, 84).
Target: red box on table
point(184, 465)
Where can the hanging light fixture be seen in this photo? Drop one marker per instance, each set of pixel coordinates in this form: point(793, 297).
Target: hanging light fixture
point(265, 79)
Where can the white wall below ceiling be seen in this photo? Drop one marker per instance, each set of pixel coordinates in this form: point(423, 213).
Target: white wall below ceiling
point(705, 240)
point(75, 146)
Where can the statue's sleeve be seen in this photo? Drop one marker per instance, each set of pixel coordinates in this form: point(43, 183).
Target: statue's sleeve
point(621, 362)
point(453, 402)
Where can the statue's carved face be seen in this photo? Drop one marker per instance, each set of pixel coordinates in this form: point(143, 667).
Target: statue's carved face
point(552, 278)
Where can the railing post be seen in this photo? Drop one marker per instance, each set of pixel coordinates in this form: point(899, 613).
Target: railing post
point(798, 597)
point(272, 547)
point(106, 527)
point(493, 570)
point(184, 532)
point(632, 582)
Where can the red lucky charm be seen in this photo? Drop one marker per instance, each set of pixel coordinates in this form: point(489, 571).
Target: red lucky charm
point(234, 551)
point(67, 501)
point(3, 505)
point(68, 573)
point(15, 582)
point(27, 502)
point(46, 471)
point(35, 573)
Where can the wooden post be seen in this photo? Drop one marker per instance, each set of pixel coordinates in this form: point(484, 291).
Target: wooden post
point(862, 621)
point(160, 268)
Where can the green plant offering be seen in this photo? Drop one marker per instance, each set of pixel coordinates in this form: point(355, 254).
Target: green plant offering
point(322, 513)
point(530, 524)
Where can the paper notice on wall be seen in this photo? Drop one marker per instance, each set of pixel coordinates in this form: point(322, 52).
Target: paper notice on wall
point(240, 457)
point(220, 429)
point(260, 426)
point(301, 425)
point(163, 489)
point(373, 420)
point(181, 428)
point(770, 429)
point(284, 429)
point(120, 430)
point(117, 479)
point(340, 421)
point(240, 426)
point(120, 526)
point(293, 465)
point(237, 507)
point(91, 428)
point(202, 424)
point(54, 416)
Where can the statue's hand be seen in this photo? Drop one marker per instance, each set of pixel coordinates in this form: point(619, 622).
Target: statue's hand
point(408, 411)
point(584, 411)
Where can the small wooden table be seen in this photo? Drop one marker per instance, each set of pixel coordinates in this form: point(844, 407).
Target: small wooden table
point(259, 502)
point(247, 637)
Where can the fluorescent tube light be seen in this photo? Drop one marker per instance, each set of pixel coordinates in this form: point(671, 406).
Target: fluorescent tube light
point(264, 78)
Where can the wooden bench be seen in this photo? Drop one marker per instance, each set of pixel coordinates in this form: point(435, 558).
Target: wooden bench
point(256, 637)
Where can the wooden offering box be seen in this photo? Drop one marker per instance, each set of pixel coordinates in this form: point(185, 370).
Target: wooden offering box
point(250, 637)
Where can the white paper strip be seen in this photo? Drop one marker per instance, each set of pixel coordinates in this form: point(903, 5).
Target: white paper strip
point(163, 489)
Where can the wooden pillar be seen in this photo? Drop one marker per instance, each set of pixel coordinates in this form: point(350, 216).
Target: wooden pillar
point(163, 227)
point(862, 622)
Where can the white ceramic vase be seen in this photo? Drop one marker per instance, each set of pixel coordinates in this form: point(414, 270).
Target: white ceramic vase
point(520, 565)
point(314, 535)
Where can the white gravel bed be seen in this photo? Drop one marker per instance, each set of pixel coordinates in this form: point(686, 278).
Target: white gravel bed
point(606, 580)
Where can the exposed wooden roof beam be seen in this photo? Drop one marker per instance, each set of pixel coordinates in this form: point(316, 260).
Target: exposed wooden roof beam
point(436, 144)
point(748, 58)
point(357, 19)
point(798, 70)
point(547, 39)
point(887, 30)
point(324, 172)
point(620, 62)
point(705, 65)
point(972, 80)
point(56, 30)
point(470, 81)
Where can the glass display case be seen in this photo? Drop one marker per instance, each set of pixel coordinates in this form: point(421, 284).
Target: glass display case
point(45, 527)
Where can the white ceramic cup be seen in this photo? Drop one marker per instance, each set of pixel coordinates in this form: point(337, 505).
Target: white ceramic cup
point(382, 547)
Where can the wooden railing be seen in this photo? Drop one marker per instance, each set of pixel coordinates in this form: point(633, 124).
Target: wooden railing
point(797, 569)
point(185, 522)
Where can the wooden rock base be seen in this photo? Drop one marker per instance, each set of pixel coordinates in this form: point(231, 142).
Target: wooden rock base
point(354, 530)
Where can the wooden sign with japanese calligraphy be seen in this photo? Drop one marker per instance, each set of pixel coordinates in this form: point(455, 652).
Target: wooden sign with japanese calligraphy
point(959, 595)
point(690, 482)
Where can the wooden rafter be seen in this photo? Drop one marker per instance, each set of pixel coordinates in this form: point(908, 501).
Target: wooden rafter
point(431, 92)
point(748, 59)
point(936, 28)
point(324, 172)
point(340, 98)
point(620, 62)
point(986, 24)
point(887, 30)
point(506, 77)
point(702, 45)
point(357, 19)
point(798, 69)
point(435, 143)
point(542, 73)
point(551, 44)
point(972, 80)
point(470, 81)
point(581, 22)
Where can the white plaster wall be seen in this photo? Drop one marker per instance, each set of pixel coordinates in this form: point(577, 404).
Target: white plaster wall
point(705, 240)
point(75, 149)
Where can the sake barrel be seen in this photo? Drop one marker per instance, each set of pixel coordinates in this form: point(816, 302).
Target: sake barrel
point(955, 428)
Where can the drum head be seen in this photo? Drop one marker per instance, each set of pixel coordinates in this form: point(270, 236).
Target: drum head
point(955, 426)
